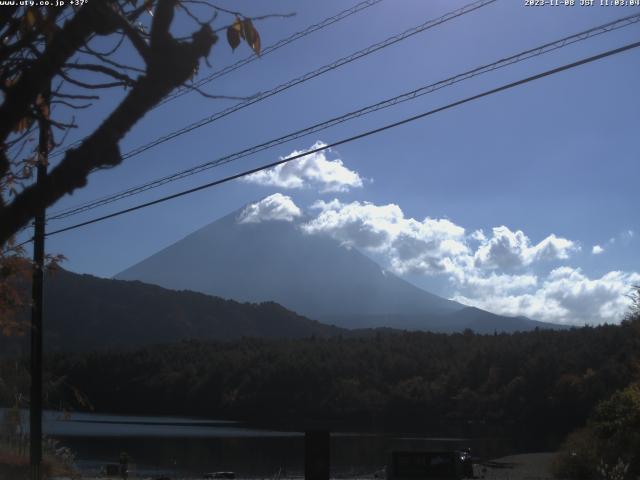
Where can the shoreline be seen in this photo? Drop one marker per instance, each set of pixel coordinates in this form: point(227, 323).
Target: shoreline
point(524, 466)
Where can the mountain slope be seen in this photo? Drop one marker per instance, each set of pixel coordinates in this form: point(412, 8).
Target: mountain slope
point(313, 275)
point(275, 261)
point(479, 321)
point(86, 312)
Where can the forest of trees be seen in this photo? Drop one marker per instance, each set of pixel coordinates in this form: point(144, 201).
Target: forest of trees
point(608, 446)
point(544, 383)
point(575, 390)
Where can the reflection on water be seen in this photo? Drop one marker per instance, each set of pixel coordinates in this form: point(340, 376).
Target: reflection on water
point(190, 446)
point(260, 456)
point(96, 425)
point(247, 456)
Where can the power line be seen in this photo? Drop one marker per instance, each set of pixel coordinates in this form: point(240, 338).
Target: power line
point(309, 76)
point(363, 111)
point(355, 137)
point(546, 48)
point(15, 248)
point(252, 58)
point(272, 48)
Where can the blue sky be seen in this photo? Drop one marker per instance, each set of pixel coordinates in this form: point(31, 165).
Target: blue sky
point(557, 158)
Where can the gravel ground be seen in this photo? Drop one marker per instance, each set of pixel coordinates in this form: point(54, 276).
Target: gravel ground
point(528, 466)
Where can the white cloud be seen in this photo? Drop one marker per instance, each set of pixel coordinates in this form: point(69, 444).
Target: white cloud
point(624, 237)
point(273, 207)
point(313, 170)
point(479, 236)
point(431, 245)
point(410, 245)
point(498, 284)
point(567, 296)
point(497, 272)
point(507, 249)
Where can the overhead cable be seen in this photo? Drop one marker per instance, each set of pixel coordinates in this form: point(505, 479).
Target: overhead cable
point(527, 54)
point(353, 138)
point(308, 76)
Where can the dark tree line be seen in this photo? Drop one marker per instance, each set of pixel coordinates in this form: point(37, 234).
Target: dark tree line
point(542, 384)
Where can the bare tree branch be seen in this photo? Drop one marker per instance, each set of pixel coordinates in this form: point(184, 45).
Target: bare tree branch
point(217, 97)
point(87, 50)
point(134, 37)
point(91, 86)
point(71, 105)
point(89, 19)
point(75, 96)
point(126, 79)
point(170, 64)
point(113, 50)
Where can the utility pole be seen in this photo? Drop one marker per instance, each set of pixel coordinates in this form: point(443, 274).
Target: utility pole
point(35, 405)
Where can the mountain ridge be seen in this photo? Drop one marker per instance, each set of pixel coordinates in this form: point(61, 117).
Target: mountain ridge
point(92, 312)
point(85, 313)
point(252, 256)
point(313, 275)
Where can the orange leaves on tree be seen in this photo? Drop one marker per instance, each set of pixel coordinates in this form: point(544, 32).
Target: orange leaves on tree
point(31, 19)
point(15, 272)
point(23, 124)
point(42, 105)
point(234, 32)
point(148, 5)
point(251, 35)
point(243, 29)
point(10, 82)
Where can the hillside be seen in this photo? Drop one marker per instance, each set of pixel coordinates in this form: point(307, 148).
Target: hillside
point(541, 382)
point(313, 275)
point(84, 312)
point(480, 321)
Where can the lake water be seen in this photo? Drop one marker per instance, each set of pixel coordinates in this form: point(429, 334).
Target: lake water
point(191, 446)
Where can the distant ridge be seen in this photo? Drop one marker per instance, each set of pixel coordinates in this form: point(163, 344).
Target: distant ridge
point(313, 275)
point(471, 318)
point(86, 312)
point(275, 261)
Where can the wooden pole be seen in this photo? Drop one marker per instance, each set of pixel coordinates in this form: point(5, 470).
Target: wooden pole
point(317, 463)
point(35, 406)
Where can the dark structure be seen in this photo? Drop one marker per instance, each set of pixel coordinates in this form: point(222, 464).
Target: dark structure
point(317, 455)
